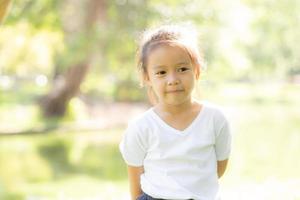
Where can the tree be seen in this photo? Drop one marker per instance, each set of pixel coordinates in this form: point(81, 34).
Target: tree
point(4, 6)
point(75, 26)
point(274, 50)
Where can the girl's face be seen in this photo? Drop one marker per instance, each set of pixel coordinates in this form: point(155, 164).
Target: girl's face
point(171, 74)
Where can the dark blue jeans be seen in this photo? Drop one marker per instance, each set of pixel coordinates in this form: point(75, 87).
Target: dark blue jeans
point(145, 196)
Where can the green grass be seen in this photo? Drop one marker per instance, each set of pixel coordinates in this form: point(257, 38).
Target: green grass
point(77, 187)
point(264, 163)
point(56, 164)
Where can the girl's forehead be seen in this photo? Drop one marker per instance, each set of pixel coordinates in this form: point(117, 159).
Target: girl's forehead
point(168, 53)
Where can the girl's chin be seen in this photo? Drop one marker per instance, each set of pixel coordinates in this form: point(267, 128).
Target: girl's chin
point(177, 102)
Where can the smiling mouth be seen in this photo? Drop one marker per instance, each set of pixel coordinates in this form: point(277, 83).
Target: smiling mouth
point(175, 91)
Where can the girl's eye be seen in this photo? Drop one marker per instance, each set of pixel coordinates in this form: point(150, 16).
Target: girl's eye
point(160, 73)
point(183, 69)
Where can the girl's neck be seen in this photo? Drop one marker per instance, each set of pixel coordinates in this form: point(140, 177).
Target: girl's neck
point(176, 109)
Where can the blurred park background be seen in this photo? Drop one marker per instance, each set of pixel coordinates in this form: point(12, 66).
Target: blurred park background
point(68, 86)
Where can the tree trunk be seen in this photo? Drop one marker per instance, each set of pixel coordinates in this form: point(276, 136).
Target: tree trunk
point(4, 6)
point(65, 88)
point(68, 85)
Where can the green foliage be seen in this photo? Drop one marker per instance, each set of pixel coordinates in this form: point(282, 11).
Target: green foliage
point(19, 109)
point(41, 14)
point(12, 196)
point(26, 51)
point(76, 110)
point(56, 152)
point(23, 160)
point(250, 46)
point(23, 91)
point(276, 31)
point(103, 161)
point(241, 40)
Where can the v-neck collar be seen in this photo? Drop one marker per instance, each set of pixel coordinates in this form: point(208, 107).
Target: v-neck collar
point(174, 130)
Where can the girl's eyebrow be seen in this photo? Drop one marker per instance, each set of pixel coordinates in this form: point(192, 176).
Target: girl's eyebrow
point(179, 63)
point(158, 66)
point(183, 63)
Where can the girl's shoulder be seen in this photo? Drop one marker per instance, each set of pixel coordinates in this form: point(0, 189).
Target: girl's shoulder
point(215, 110)
point(208, 105)
point(140, 126)
point(141, 119)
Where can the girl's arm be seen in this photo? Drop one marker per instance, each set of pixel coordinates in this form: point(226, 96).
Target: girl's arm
point(134, 174)
point(222, 167)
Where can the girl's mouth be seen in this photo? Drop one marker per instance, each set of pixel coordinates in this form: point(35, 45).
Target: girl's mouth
point(174, 91)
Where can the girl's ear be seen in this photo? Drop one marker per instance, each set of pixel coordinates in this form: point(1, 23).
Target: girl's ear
point(197, 74)
point(197, 71)
point(146, 79)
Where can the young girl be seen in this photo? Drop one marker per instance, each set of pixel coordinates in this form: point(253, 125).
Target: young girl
point(180, 147)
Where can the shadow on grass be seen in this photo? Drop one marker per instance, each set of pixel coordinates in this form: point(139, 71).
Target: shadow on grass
point(101, 161)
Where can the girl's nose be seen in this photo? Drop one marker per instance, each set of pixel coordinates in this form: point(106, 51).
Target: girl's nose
point(172, 80)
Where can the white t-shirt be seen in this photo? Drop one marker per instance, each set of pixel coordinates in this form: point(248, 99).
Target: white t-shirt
point(178, 164)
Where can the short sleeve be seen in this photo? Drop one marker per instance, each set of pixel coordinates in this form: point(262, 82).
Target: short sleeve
point(223, 139)
point(132, 146)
